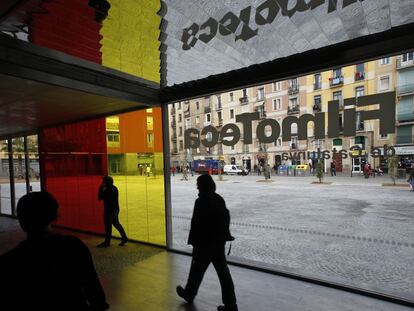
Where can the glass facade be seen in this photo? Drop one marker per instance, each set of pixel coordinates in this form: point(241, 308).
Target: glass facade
point(128, 147)
point(342, 228)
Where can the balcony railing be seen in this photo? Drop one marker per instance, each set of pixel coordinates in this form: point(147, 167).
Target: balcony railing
point(207, 109)
point(335, 81)
point(406, 89)
point(244, 100)
point(187, 113)
point(219, 107)
point(317, 86)
point(317, 108)
point(260, 97)
point(293, 110)
point(173, 124)
point(407, 63)
point(293, 89)
point(359, 76)
point(172, 111)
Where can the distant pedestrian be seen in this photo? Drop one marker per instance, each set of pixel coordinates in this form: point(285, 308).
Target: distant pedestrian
point(109, 194)
point(173, 170)
point(266, 171)
point(148, 170)
point(411, 179)
point(48, 271)
point(367, 170)
point(184, 171)
point(210, 229)
point(333, 168)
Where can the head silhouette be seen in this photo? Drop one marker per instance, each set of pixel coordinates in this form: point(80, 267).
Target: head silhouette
point(36, 210)
point(205, 184)
point(108, 180)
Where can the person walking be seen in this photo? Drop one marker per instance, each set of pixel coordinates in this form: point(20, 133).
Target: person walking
point(333, 168)
point(210, 229)
point(411, 178)
point(48, 271)
point(109, 194)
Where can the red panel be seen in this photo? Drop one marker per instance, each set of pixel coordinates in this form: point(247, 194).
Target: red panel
point(67, 26)
point(74, 159)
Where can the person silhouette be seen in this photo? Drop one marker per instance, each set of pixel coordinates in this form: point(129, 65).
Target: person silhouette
point(109, 194)
point(48, 271)
point(210, 229)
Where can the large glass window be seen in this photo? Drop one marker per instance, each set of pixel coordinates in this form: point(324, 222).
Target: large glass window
point(331, 230)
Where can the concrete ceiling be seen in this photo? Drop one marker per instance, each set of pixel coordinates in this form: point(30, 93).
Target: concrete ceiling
point(26, 105)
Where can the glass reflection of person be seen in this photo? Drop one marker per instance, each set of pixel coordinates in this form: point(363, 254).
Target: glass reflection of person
point(109, 194)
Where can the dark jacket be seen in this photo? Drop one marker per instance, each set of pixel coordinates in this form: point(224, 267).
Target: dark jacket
point(210, 224)
point(51, 272)
point(110, 197)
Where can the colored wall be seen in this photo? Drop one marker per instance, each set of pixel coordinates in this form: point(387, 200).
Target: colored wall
point(130, 38)
point(67, 26)
point(73, 159)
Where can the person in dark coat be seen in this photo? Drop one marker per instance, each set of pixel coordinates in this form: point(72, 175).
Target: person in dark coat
point(109, 194)
point(48, 271)
point(210, 229)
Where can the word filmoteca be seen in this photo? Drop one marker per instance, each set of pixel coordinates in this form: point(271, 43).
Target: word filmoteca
point(241, 26)
point(230, 133)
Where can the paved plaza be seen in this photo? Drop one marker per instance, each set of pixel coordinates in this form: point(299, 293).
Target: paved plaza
point(352, 231)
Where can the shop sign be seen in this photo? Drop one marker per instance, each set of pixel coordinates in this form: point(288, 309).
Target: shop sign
point(405, 150)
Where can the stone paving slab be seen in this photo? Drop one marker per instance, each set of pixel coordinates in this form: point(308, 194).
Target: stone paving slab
point(353, 231)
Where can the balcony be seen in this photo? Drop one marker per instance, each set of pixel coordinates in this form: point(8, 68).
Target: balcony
point(316, 108)
point(219, 107)
point(336, 81)
point(172, 111)
point(293, 110)
point(359, 76)
point(173, 124)
point(407, 89)
point(207, 109)
point(174, 137)
point(293, 89)
point(401, 64)
point(187, 113)
point(317, 86)
point(244, 100)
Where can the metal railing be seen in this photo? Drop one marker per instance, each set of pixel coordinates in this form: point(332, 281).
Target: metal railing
point(292, 110)
point(335, 81)
point(244, 100)
point(405, 89)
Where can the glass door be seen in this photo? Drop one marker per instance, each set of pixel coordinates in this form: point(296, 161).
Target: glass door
point(19, 167)
point(32, 160)
point(5, 187)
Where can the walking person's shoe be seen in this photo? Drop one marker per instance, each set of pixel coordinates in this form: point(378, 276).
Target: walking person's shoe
point(123, 242)
point(227, 308)
point(103, 244)
point(183, 294)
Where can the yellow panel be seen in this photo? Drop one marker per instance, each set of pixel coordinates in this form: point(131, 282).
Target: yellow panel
point(130, 38)
point(141, 194)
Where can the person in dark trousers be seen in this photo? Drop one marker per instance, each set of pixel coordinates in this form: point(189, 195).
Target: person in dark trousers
point(210, 229)
point(48, 271)
point(109, 194)
point(333, 168)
